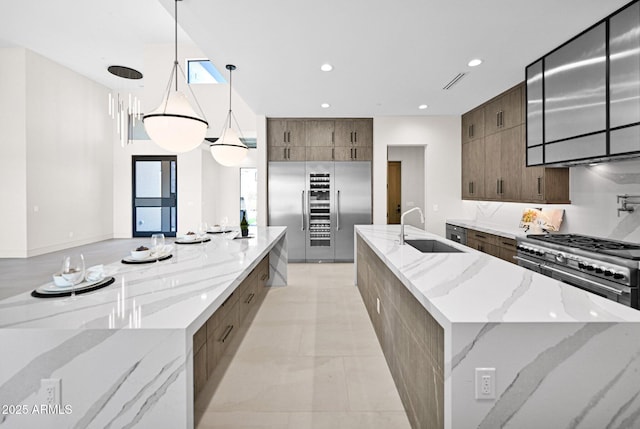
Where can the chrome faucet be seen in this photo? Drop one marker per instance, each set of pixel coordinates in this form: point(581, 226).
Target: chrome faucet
point(402, 221)
point(624, 203)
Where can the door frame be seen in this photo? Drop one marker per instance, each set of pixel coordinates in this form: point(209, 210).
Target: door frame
point(135, 158)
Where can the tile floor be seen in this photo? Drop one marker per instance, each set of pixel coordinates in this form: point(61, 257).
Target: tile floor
point(309, 359)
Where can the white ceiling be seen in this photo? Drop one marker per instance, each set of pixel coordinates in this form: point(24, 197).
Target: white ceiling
point(388, 57)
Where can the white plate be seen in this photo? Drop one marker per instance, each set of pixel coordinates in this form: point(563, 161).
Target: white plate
point(51, 287)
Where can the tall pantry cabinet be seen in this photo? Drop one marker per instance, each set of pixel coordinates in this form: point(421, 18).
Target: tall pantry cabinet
point(493, 156)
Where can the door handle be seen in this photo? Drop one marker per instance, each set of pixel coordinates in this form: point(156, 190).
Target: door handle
point(398, 209)
point(338, 211)
point(302, 214)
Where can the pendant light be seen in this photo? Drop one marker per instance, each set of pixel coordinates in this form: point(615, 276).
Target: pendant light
point(229, 150)
point(174, 125)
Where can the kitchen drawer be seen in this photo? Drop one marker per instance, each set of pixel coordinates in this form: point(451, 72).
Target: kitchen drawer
point(484, 247)
point(482, 236)
point(220, 335)
point(262, 273)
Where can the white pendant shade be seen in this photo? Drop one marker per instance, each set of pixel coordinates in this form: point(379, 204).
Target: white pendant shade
point(174, 125)
point(229, 150)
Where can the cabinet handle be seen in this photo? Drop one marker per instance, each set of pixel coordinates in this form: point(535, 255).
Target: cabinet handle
point(333, 137)
point(248, 301)
point(284, 153)
point(351, 138)
point(470, 191)
point(226, 333)
point(289, 153)
point(355, 137)
point(498, 186)
point(480, 236)
point(355, 153)
point(338, 211)
point(289, 136)
point(501, 186)
point(302, 214)
point(473, 187)
point(351, 153)
point(264, 277)
point(284, 137)
point(333, 154)
point(539, 185)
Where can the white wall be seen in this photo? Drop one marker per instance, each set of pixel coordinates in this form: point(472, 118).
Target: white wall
point(61, 183)
point(593, 208)
point(441, 137)
point(412, 179)
point(13, 153)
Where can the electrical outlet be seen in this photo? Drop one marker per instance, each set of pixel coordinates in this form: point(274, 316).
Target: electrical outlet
point(485, 383)
point(51, 389)
point(378, 305)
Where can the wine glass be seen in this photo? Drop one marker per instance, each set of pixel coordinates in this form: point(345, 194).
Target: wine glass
point(157, 244)
point(202, 230)
point(223, 224)
point(73, 271)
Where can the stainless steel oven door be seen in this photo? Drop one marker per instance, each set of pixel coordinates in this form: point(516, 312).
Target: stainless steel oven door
point(621, 294)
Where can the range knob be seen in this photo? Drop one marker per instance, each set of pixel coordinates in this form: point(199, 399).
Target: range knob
point(560, 257)
point(539, 253)
point(618, 276)
point(599, 270)
point(608, 272)
point(591, 267)
point(582, 265)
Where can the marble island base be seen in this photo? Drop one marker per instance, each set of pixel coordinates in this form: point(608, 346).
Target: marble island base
point(125, 354)
point(563, 357)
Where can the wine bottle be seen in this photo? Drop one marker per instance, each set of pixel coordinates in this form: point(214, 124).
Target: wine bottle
point(244, 225)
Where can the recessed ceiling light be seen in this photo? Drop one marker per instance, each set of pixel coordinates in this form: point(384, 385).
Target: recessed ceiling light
point(422, 106)
point(325, 105)
point(474, 62)
point(326, 67)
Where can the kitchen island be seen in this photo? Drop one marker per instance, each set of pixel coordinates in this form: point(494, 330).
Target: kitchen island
point(563, 357)
point(124, 353)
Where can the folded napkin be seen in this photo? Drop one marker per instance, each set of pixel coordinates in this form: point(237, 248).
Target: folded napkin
point(95, 273)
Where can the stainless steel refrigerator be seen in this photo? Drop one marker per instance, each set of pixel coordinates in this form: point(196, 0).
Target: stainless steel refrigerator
point(319, 203)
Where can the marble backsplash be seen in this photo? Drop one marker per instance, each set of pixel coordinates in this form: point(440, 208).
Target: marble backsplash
point(593, 209)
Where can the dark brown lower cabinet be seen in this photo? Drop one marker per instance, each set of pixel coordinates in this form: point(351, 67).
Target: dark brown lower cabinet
point(211, 341)
point(411, 339)
point(494, 245)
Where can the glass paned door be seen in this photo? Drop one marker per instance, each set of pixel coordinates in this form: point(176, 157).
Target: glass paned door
point(154, 195)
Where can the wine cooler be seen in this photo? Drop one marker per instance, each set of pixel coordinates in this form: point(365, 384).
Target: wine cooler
point(320, 239)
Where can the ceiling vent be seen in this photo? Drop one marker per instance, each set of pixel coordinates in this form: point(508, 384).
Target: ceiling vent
point(454, 81)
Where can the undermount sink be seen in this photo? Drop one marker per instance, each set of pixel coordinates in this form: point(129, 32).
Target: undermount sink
point(432, 246)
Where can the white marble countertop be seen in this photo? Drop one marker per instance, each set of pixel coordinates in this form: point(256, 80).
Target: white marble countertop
point(178, 293)
point(512, 232)
point(473, 287)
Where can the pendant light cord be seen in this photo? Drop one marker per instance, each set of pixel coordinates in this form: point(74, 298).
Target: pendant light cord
point(175, 34)
point(230, 85)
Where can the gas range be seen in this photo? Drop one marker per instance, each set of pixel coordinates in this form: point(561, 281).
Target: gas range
point(608, 268)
